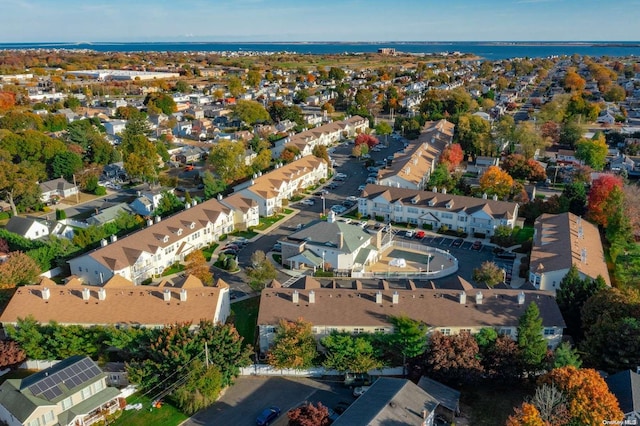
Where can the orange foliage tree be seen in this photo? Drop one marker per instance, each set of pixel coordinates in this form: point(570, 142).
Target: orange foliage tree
point(496, 181)
point(363, 138)
point(599, 205)
point(452, 156)
point(198, 267)
point(589, 399)
point(526, 415)
point(7, 100)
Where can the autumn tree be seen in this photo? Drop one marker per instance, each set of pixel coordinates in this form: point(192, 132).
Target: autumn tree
point(528, 139)
point(289, 153)
point(473, 133)
point(360, 150)
point(489, 274)
point(18, 185)
point(250, 112)
point(573, 81)
point(452, 156)
point(201, 388)
point(599, 204)
point(198, 267)
point(320, 151)
point(532, 344)
point(18, 269)
point(500, 358)
point(162, 102)
point(550, 131)
point(261, 270)
point(552, 405)
point(525, 415)
point(309, 415)
point(495, 181)
point(588, 397)
point(453, 358)
point(366, 139)
point(521, 168)
point(593, 151)
point(227, 159)
point(349, 353)
point(294, 345)
point(11, 354)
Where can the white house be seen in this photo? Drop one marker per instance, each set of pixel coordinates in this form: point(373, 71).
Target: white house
point(437, 209)
point(28, 227)
point(114, 127)
point(57, 188)
point(146, 253)
point(149, 199)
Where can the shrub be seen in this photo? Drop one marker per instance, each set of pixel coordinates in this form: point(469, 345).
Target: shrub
point(380, 218)
point(100, 190)
point(427, 226)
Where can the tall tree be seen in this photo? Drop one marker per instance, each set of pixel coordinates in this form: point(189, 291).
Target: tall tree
point(11, 355)
point(453, 358)
point(261, 270)
point(576, 194)
point(198, 267)
point(409, 337)
point(565, 355)
point(533, 347)
point(18, 184)
point(593, 152)
point(169, 203)
point(66, 164)
point(18, 269)
point(452, 156)
point(599, 206)
point(294, 345)
point(227, 160)
point(250, 112)
point(212, 186)
point(495, 181)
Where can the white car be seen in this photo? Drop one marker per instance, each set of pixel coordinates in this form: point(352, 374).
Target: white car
point(307, 202)
point(360, 390)
point(341, 175)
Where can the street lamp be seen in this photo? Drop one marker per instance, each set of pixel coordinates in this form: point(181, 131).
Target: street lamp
point(323, 252)
point(428, 260)
point(323, 205)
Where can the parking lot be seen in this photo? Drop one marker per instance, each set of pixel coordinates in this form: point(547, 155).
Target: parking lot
point(244, 401)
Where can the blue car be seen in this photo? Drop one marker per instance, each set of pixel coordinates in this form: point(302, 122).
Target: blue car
point(267, 415)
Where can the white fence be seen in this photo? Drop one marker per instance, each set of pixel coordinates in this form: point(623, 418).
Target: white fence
point(75, 223)
point(267, 370)
point(38, 364)
point(52, 272)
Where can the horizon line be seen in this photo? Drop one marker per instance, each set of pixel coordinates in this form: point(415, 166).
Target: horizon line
point(319, 41)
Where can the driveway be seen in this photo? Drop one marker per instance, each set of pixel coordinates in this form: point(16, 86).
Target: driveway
point(242, 403)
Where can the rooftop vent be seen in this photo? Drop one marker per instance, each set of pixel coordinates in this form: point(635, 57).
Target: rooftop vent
point(167, 295)
point(46, 293)
point(379, 298)
point(295, 297)
point(86, 293)
point(183, 295)
point(114, 238)
point(462, 298)
point(102, 294)
point(395, 298)
point(479, 298)
point(312, 296)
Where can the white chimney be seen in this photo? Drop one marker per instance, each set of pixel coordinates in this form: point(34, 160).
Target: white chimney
point(183, 295)
point(102, 294)
point(495, 197)
point(521, 298)
point(395, 298)
point(312, 296)
point(434, 189)
point(149, 222)
point(219, 197)
point(479, 298)
point(46, 293)
point(187, 206)
point(114, 238)
point(484, 196)
point(462, 298)
point(444, 190)
point(157, 219)
point(340, 240)
point(167, 295)
point(103, 242)
point(295, 297)
point(86, 293)
point(194, 202)
point(379, 298)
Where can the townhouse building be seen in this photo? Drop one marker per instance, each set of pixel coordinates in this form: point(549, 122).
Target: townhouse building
point(437, 209)
point(147, 252)
point(269, 189)
point(356, 308)
point(561, 241)
point(120, 302)
point(245, 210)
point(323, 135)
point(412, 168)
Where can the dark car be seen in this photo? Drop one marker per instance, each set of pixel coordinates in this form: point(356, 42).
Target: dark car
point(506, 255)
point(231, 247)
point(457, 242)
point(229, 252)
point(267, 416)
point(477, 245)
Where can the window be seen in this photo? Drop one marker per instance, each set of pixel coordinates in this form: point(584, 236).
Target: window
point(98, 386)
point(34, 422)
point(85, 393)
point(549, 332)
point(462, 218)
point(506, 331)
point(358, 330)
point(412, 210)
point(379, 330)
point(48, 417)
point(447, 216)
point(66, 403)
point(446, 331)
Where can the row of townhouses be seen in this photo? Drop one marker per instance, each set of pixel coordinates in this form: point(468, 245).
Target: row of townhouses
point(356, 308)
point(322, 135)
point(437, 209)
point(413, 167)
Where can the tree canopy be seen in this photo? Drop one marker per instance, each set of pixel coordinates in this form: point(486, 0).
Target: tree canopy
point(294, 345)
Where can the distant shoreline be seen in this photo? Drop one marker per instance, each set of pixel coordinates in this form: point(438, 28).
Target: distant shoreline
point(630, 43)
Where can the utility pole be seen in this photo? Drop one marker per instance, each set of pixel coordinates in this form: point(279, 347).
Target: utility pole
point(77, 194)
point(206, 355)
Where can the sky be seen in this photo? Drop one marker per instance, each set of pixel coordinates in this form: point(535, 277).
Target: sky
point(318, 20)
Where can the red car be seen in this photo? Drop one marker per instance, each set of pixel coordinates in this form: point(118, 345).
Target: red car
point(420, 234)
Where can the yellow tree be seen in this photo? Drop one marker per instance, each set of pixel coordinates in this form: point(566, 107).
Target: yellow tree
point(496, 181)
point(526, 415)
point(198, 267)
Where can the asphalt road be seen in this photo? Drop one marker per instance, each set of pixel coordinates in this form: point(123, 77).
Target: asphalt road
point(244, 401)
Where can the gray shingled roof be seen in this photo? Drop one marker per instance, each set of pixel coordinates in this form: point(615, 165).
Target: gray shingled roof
point(325, 233)
point(625, 385)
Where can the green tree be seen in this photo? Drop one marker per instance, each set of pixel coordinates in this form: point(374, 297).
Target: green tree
point(347, 353)
point(262, 161)
point(201, 389)
point(261, 270)
point(212, 186)
point(162, 101)
point(72, 103)
point(18, 185)
point(529, 140)
point(337, 74)
point(169, 203)
point(593, 152)
point(409, 337)
point(571, 296)
point(533, 347)
point(227, 159)
point(254, 78)
point(227, 350)
point(441, 178)
point(235, 86)
point(615, 94)
point(294, 346)
point(570, 134)
point(250, 112)
point(489, 274)
point(565, 355)
point(576, 194)
point(66, 164)
point(320, 151)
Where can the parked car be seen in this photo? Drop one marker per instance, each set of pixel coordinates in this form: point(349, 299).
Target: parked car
point(506, 255)
point(457, 242)
point(321, 193)
point(308, 202)
point(352, 380)
point(352, 198)
point(338, 209)
point(267, 416)
point(420, 234)
point(231, 247)
point(348, 203)
point(371, 179)
point(410, 233)
point(277, 247)
point(361, 188)
point(242, 241)
point(360, 390)
point(477, 245)
point(229, 252)
point(188, 168)
point(341, 175)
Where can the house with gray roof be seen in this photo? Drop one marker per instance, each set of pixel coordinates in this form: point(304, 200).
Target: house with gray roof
point(57, 188)
point(391, 401)
point(625, 385)
point(332, 244)
point(28, 227)
point(109, 214)
point(72, 392)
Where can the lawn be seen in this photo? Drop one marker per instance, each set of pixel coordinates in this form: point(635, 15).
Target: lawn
point(173, 269)
point(288, 211)
point(245, 234)
point(167, 415)
point(492, 405)
point(266, 222)
point(524, 234)
point(245, 317)
point(208, 251)
point(627, 267)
